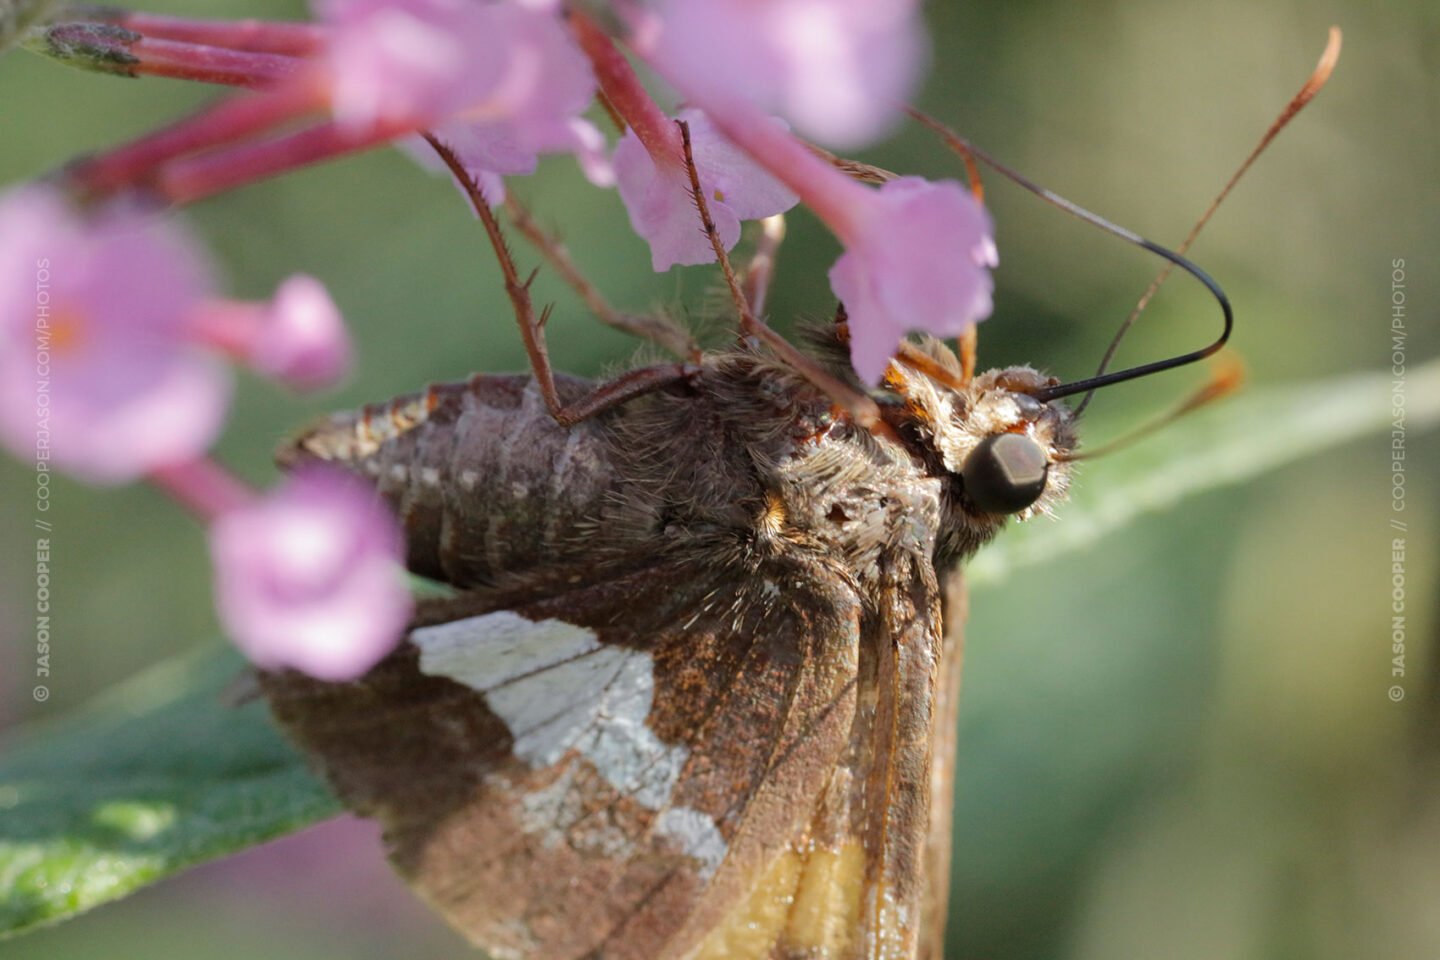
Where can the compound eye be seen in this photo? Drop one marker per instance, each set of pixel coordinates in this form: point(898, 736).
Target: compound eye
point(1005, 473)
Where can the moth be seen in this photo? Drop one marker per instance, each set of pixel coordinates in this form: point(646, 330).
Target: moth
point(696, 694)
point(697, 697)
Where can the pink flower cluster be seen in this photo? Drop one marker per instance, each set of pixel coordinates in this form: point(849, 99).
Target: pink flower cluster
point(134, 336)
point(112, 351)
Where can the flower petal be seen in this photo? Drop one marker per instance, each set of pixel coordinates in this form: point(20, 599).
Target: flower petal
point(837, 69)
point(98, 374)
point(309, 577)
point(662, 210)
point(304, 341)
point(922, 262)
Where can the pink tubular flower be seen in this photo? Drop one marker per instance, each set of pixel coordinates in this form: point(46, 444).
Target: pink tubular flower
point(499, 82)
point(921, 261)
point(537, 107)
point(401, 61)
point(917, 254)
point(839, 70)
point(298, 338)
point(655, 188)
point(308, 578)
point(303, 340)
point(98, 373)
point(491, 150)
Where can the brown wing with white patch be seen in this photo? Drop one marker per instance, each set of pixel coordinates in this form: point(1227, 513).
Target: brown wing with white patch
point(600, 767)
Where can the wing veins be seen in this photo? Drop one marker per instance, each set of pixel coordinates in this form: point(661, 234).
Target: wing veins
point(769, 766)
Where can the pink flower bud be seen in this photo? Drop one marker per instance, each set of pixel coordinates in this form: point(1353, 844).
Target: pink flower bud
point(309, 577)
point(302, 341)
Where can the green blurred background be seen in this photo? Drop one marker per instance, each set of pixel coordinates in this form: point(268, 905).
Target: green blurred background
point(1179, 745)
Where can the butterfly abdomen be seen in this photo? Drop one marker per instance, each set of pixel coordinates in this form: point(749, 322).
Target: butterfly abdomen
point(484, 481)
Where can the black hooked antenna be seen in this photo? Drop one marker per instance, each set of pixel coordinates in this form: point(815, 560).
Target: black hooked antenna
point(1101, 379)
point(1046, 394)
point(967, 151)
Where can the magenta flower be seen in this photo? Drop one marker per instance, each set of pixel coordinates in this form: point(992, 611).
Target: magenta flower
point(500, 83)
point(298, 338)
point(98, 373)
point(655, 187)
point(917, 254)
point(409, 61)
point(303, 340)
point(492, 185)
point(839, 70)
point(489, 150)
point(537, 107)
point(309, 578)
point(920, 260)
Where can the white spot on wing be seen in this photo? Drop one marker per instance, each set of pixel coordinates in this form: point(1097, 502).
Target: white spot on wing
point(557, 688)
point(492, 649)
point(696, 834)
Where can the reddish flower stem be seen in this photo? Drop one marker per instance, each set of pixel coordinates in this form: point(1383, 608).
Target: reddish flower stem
point(226, 122)
point(835, 198)
point(254, 36)
point(190, 179)
point(202, 487)
point(625, 92)
point(229, 326)
point(207, 64)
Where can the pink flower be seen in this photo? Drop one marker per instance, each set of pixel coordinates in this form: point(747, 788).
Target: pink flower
point(839, 70)
point(298, 338)
point(499, 82)
point(920, 260)
point(303, 339)
point(492, 185)
point(656, 191)
point(917, 254)
point(536, 109)
point(98, 373)
point(409, 61)
point(500, 149)
point(309, 577)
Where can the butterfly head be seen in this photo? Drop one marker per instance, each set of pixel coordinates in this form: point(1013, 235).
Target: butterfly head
point(1003, 452)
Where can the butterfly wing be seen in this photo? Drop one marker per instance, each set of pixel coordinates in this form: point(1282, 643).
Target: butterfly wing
point(653, 765)
point(851, 883)
point(936, 905)
point(600, 764)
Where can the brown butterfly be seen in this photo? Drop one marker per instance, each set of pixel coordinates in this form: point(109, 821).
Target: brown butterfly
point(696, 697)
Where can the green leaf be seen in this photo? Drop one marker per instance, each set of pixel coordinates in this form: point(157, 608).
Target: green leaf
point(160, 774)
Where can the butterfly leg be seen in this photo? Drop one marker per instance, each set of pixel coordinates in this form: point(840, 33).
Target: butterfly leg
point(861, 408)
point(532, 329)
point(655, 327)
